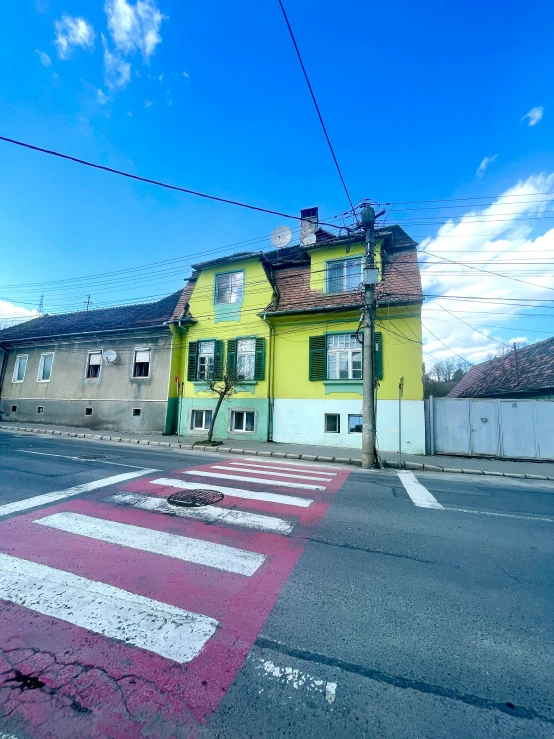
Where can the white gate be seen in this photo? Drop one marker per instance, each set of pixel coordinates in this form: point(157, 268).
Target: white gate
point(516, 429)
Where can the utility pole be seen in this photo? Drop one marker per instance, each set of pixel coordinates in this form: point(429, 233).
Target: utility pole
point(88, 302)
point(41, 305)
point(370, 277)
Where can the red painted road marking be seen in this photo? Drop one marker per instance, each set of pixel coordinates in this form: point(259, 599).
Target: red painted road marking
point(120, 690)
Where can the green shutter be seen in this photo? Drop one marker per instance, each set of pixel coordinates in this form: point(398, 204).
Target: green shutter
point(231, 355)
point(318, 358)
point(193, 354)
point(259, 362)
point(378, 365)
point(218, 359)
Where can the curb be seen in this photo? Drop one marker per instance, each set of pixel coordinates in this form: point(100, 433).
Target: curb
point(353, 461)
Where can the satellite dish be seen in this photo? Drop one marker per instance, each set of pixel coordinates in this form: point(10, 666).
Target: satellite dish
point(281, 236)
point(309, 240)
point(109, 356)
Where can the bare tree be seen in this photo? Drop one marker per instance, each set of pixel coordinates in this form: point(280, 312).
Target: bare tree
point(224, 388)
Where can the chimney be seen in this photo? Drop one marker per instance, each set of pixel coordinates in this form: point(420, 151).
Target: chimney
point(308, 225)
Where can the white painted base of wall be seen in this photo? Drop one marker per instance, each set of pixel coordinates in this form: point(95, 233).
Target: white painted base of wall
point(303, 422)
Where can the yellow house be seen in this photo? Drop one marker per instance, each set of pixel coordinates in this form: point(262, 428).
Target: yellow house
point(287, 321)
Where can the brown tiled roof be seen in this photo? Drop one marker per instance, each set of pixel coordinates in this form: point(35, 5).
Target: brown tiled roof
point(401, 282)
point(468, 380)
point(533, 373)
point(182, 307)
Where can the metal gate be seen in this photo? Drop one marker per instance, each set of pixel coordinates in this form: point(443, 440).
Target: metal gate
point(515, 429)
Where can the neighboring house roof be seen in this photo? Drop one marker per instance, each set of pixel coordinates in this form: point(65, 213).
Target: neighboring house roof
point(532, 371)
point(468, 380)
point(140, 315)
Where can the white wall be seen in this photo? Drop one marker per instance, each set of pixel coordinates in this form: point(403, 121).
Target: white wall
point(302, 422)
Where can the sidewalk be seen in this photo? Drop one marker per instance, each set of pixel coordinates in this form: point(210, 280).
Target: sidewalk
point(437, 463)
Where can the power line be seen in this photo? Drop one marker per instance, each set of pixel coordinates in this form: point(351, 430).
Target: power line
point(149, 181)
point(316, 105)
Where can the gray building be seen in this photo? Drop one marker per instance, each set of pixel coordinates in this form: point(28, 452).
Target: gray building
point(107, 369)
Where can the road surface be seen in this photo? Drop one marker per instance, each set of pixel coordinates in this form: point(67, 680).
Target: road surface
point(312, 600)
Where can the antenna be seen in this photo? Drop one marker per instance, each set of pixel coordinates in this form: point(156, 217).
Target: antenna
point(281, 236)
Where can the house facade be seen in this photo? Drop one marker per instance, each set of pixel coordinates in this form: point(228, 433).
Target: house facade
point(287, 321)
point(100, 369)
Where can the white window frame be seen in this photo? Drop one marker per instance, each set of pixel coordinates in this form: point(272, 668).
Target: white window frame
point(346, 352)
point(16, 367)
point(235, 291)
point(344, 276)
point(89, 355)
point(354, 415)
point(244, 430)
point(325, 429)
point(207, 371)
point(41, 366)
point(204, 427)
point(137, 350)
point(249, 353)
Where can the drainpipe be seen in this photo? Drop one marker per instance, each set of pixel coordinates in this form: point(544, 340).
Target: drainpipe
point(270, 379)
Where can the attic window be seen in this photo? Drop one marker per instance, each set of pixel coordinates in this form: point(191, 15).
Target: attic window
point(88, 411)
point(136, 411)
point(344, 275)
point(229, 287)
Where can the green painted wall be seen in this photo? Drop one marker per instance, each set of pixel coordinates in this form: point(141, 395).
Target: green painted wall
point(260, 406)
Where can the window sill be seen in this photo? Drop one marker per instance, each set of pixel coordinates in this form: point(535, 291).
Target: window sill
point(344, 386)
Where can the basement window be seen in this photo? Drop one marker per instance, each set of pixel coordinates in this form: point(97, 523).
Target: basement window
point(88, 411)
point(355, 424)
point(141, 365)
point(200, 420)
point(136, 411)
point(14, 409)
point(94, 362)
point(242, 421)
point(332, 423)
point(40, 409)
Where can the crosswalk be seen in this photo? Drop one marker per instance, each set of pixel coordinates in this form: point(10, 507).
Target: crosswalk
point(191, 586)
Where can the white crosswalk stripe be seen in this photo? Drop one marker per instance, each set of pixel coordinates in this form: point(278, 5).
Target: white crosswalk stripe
point(134, 619)
point(220, 556)
point(258, 480)
point(294, 476)
point(210, 514)
point(262, 467)
point(235, 492)
point(296, 463)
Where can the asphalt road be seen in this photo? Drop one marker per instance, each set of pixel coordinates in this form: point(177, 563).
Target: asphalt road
point(375, 617)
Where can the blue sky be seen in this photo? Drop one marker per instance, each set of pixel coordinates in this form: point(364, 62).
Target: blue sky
point(210, 96)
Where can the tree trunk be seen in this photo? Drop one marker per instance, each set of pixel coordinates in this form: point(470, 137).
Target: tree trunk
point(218, 406)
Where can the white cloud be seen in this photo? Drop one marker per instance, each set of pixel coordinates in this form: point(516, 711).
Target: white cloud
point(148, 103)
point(71, 32)
point(534, 115)
point(44, 58)
point(484, 164)
point(11, 314)
point(117, 72)
point(134, 27)
point(101, 97)
point(499, 237)
point(186, 75)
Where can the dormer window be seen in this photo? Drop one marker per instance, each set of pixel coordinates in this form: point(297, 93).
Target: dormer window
point(344, 275)
point(229, 287)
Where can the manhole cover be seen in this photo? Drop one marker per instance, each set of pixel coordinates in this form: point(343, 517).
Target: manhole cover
point(195, 498)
